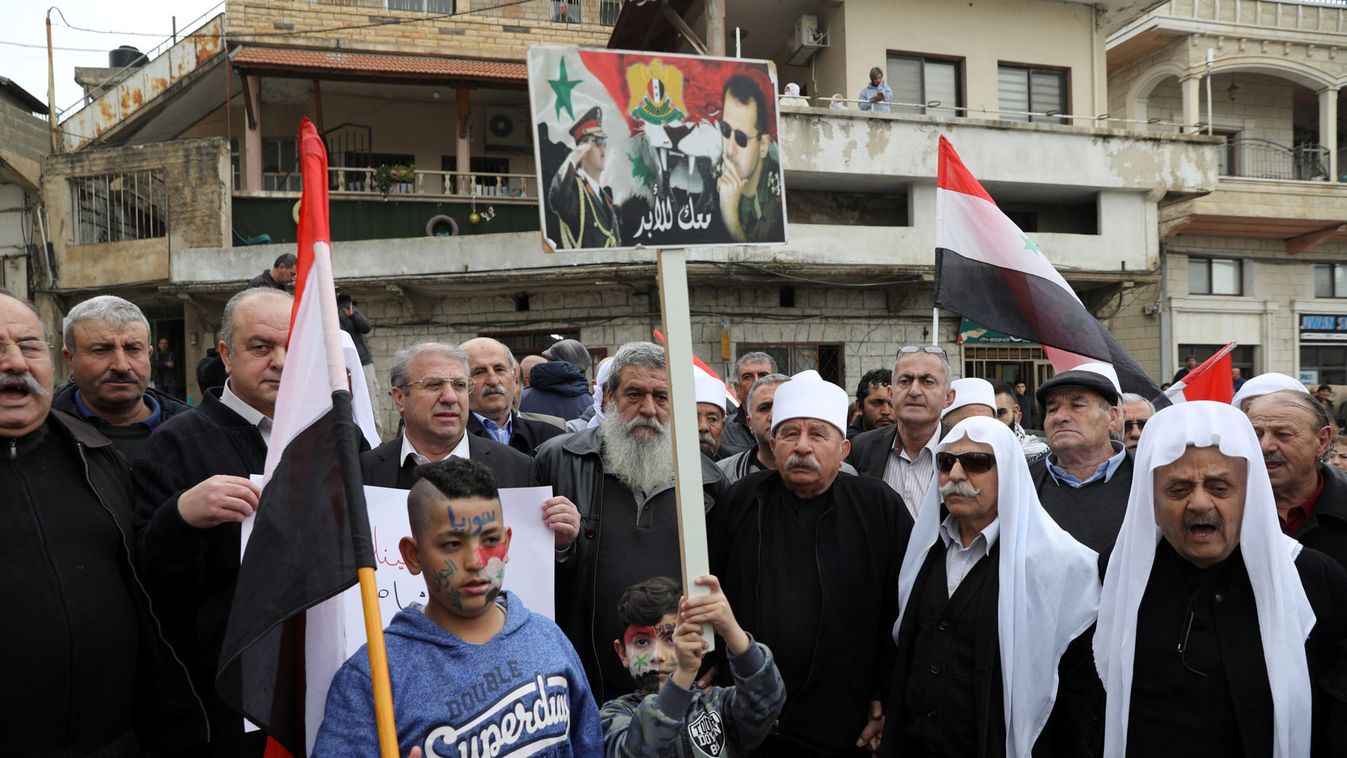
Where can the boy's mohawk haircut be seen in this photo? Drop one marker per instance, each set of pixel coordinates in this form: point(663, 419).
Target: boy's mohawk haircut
point(449, 479)
point(645, 603)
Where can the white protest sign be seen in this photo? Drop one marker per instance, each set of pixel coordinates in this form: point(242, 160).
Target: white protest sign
point(529, 575)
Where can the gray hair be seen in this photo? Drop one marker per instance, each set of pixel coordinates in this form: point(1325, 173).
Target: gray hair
point(1132, 397)
point(645, 354)
point(231, 309)
point(754, 357)
point(1307, 403)
point(6, 293)
point(770, 380)
point(400, 372)
point(110, 309)
point(944, 364)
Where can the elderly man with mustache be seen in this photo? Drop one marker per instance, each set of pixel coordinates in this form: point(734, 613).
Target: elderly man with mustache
point(808, 557)
point(494, 372)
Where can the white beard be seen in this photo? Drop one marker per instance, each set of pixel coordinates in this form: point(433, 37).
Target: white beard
point(642, 465)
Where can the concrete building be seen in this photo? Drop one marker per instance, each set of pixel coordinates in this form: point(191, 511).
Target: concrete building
point(197, 146)
point(1263, 258)
point(24, 140)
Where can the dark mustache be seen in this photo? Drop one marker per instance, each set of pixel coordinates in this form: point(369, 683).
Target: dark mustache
point(1212, 518)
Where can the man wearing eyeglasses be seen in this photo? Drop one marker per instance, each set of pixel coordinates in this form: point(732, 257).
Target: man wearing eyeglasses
point(750, 173)
point(1084, 482)
point(808, 557)
point(583, 206)
point(996, 605)
point(903, 455)
point(193, 490)
point(431, 389)
point(1136, 411)
point(1217, 634)
point(79, 634)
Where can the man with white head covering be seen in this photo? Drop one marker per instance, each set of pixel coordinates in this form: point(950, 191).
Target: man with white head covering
point(1265, 384)
point(972, 397)
point(710, 393)
point(808, 558)
point(1204, 640)
point(995, 606)
point(1083, 483)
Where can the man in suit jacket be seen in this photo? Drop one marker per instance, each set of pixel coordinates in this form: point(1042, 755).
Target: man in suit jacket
point(493, 370)
point(431, 386)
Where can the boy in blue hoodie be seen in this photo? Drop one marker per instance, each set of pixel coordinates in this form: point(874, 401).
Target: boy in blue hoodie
point(662, 648)
point(474, 673)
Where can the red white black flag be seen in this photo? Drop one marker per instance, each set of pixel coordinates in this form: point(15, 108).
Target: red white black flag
point(1213, 380)
point(283, 643)
point(989, 271)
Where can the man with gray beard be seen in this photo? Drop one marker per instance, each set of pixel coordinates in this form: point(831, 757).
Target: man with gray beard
point(619, 476)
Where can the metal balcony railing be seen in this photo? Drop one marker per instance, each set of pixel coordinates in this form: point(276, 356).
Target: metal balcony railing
point(1265, 159)
point(433, 184)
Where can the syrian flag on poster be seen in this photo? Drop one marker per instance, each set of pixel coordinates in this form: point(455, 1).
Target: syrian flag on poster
point(283, 643)
point(1213, 380)
point(989, 271)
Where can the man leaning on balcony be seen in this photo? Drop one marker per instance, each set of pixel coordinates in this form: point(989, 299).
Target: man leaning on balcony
point(584, 208)
point(279, 276)
point(877, 96)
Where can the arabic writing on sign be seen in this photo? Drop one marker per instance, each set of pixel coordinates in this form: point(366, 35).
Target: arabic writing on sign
point(661, 217)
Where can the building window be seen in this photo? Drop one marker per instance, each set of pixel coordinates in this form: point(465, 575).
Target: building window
point(1330, 280)
point(118, 207)
point(1025, 89)
point(608, 10)
point(280, 164)
point(1323, 364)
point(794, 357)
point(935, 83)
point(1215, 276)
point(1242, 357)
point(534, 342)
point(566, 11)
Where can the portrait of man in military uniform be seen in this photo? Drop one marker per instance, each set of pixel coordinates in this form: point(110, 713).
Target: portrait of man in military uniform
point(750, 172)
point(584, 208)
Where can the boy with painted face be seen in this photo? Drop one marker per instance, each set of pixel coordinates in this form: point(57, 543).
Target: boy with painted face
point(662, 648)
point(473, 671)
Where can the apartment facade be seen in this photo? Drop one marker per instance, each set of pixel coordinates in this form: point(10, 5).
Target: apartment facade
point(1263, 258)
point(434, 199)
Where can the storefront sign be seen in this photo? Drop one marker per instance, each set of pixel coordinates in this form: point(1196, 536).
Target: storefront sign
point(973, 333)
point(1323, 327)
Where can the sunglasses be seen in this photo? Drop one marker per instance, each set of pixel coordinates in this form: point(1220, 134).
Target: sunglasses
point(1138, 423)
point(910, 349)
point(741, 137)
point(973, 463)
point(597, 141)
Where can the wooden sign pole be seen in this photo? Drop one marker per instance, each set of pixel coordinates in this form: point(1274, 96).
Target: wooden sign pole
point(677, 317)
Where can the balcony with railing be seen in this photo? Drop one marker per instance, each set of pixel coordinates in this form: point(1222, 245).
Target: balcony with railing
point(1265, 159)
point(1295, 16)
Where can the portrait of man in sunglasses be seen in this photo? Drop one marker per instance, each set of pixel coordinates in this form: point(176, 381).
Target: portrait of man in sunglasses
point(750, 171)
point(585, 211)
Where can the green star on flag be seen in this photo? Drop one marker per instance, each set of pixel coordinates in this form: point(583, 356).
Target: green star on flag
point(562, 87)
point(1030, 246)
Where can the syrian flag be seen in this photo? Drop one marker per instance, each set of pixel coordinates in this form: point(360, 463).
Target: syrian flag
point(1213, 380)
point(699, 367)
point(989, 271)
point(282, 643)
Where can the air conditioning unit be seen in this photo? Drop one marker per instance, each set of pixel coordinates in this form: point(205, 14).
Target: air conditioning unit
point(805, 41)
point(508, 127)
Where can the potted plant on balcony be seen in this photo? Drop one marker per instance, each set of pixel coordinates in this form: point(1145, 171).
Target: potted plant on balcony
point(405, 176)
point(383, 178)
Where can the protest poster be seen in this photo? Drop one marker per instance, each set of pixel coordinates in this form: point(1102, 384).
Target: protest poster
point(660, 151)
point(529, 573)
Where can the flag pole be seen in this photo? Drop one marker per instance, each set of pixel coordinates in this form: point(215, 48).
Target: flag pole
point(935, 325)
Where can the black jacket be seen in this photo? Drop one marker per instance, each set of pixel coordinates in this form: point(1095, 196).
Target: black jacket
point(169, 406)
point(557, 389)
point(265, 279)
point(737, 437)
point(1075, 726)
point(526, 434)
point(860, 545)
point(1326, 529)
point(191, 572)
point(357, 326)
point(380, 467)
point(573, 465)
point(870, 451)
point(169, 712)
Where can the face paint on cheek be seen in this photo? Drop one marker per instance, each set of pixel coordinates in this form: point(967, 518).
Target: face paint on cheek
point(494, 559)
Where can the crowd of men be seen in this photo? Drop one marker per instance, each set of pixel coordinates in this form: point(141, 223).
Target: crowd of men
point(926, 576)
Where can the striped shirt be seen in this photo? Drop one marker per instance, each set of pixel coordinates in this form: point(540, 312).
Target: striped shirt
point(910, 478)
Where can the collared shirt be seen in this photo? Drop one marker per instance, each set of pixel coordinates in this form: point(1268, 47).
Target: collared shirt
point(151, 421)
point(249, 413)
point(497, 433)
point(1297, 516)
point(870, 91)
point(910, 478)
point(1104, 471)
point(460, 451)
point(960, 560)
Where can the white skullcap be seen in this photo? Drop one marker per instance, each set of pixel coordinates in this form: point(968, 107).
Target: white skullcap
point(710, 390)
point(792, 89)
point(1265, 384)
point(971, 391)
point(807, 395)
